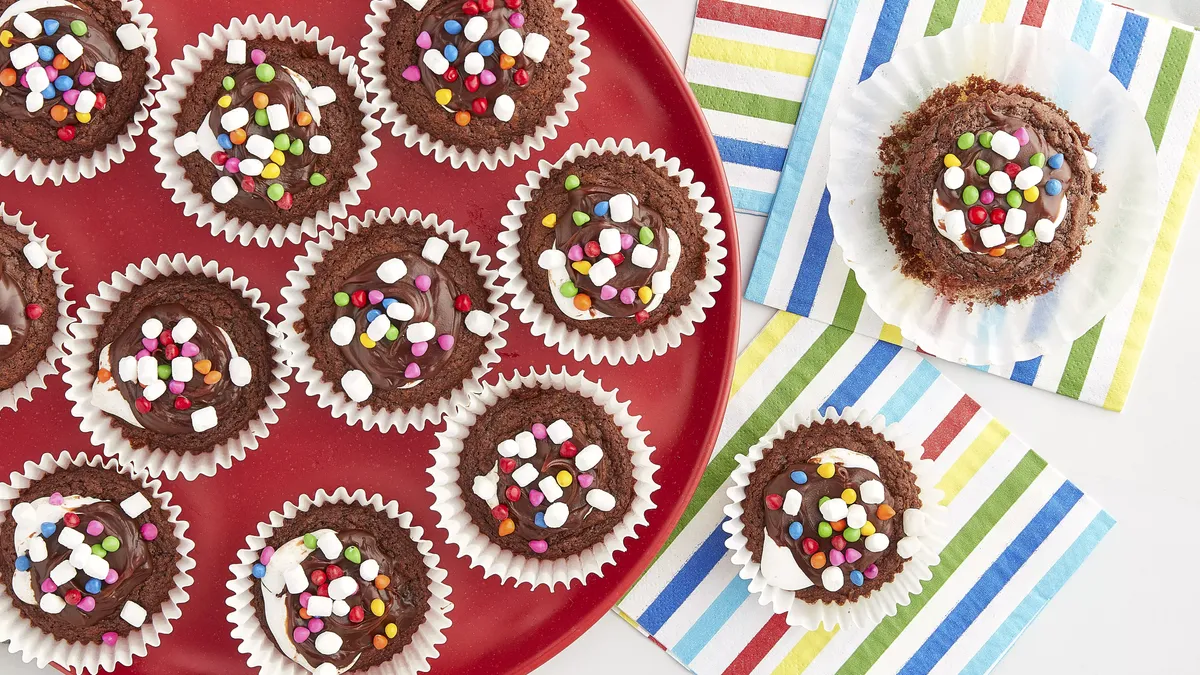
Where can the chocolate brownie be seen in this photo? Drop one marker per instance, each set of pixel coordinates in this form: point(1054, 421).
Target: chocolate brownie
point(92, 60)
point(612, 245)
point(269, 131)
point(396, 316)
point(831, 498)
point(303, 593)
point(104, 530)
point(988, 191)
point(28, 308)
point(181, 363)
point(546, 473)
point(511, 64)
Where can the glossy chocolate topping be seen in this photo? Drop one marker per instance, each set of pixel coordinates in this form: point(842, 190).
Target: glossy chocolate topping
point(567, 235)
point(12, 313)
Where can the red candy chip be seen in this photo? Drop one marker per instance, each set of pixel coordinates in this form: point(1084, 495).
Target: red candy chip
point(171, 351)
point(142, 405)
point(977, 214)
point(357, 614)
point(513, 493)
point(774, 502)
point(508, 464)
point(73, 597)
point(521, 77)
point(839, 542)
point(617, 258)
point(809, 545)
point(463, 303)
point(592, 249)
point(164, 338)
point(479, 105)
point(472, 83)
point(285, 202)
point(568, 449)
point(248, 183)
point(334, 572)
point(359, 298)
point(451, 74)
point(71, 519)
point(486, 5)
point(513, 4)
point(219, 158)
point(318, 577)
point(33, 311)
point(998, 216)
point(66, 133)
point(323, 590)
point(470, 8)
point(101, 101)
point(1012, 169)
point(182, 403)
point(500, 512)
point(641, 316)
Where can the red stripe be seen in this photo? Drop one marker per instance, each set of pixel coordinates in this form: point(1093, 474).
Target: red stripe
point(1035, 11)
point(950, 427)
point(758, 647)
point(758, 17)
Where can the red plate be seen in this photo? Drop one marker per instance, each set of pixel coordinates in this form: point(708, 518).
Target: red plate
point(120, 217)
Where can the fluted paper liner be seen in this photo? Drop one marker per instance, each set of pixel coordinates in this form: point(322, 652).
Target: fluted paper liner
point(464, 533)
point(261, 648)
point(183, 73)
point(643, 346)
point(871, 609)
point(36, 379)
point(372, 58)
point(100, 160)
point(42, 648)
point(103, 428)
point(330, 396)
point(1116, 246)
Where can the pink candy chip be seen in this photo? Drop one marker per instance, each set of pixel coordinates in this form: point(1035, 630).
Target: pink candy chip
point(87, 604)
point(488, 78)
point(231, 164)
point(446, 342)
point(189, 349)
point(95, 527)
point(585, 480)
point(149, 532)
point(626, 241)
point(150, 344)
point(86, 78)
point(111, 577)
point(539, 430)
point(300, 634)
point(836, 557)
point(628, 296)
point(424, 41)
point(419, 348)
point(516, 20)
point(852, 555)
point(110, 638)
point(175, 387)
point(871, 572)
point(70, 96)
point(51, 73)
point(142, 353)
point(412, 371)
point(315, 625)
point(56, 499)
point(422, 282)
point(986, 196)
point(411, 73)
point(575, 253)
point(304, 598)
point(538, 546)
point(257, 56)
point(1022, 136)
point(266, 555)
point(608, 292)
point(536, 497)
point(375, 297)
point(48, 586)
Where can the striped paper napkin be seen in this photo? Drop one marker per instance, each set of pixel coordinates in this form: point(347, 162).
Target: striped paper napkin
point(1017, 528)
point(799, 267)
point(748, 64)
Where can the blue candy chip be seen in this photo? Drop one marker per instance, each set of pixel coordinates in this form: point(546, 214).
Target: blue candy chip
point(487, 48)
point(1055, 161)
point(601, 209)
point(799, 477)
point(1053, 187)
point(63, 83)
point(45, 53)
point(388, 302)
point(795, 530)
point(259, 570)
point(23, 564)
point(539, 519)
point(372, 315)
point(451, 53)
point(50, 26)
point(856, 578)
point(92, 586)
point(49, 92)
point(48, 529)
point(452, 27)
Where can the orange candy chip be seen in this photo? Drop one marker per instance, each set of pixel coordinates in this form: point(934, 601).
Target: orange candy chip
point(997, 252)
point(304, 614)
point(103, 375)
point(838, 525)
point(817, 560)
point(8, 77)
point(212, 377)
point(379, 641)
point(462, 118)
point(203, 366)
point(583, 302)
point(507, 62)
point(507, 527)
point(237, 136)
point(303, 119)
point(884, 512)
point(382, 581)
point(60, 62)
point(261, 100)
point(59, 113)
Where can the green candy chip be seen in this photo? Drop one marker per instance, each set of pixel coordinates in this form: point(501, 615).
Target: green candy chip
point(580, 218)
point(316, 180)
point(97, 549)
point(966, 141)
point(341, 299)
point(1014, 199)
point(297, 147)
point(352, 553)
point(985, 139)
point(310, 541)
point(282, 142)
point(229, 83)
point(982, 168)
point(164, 372)
point(645, 236)
point(265, 72)
point(822, 500)
point(260, 118)
point(1038, 159)
point(1028, 239)
point(970, 195)
point(825, 530)
point(392, 334)
point(275, 192)
point(79, 28)
point(568, 290)
point(851, 534)
point(571, 182)
point(110, 544)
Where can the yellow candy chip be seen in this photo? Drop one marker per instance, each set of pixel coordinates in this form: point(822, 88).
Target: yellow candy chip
point(83, 118)
point(277, 157)
point(826, 470)
point(6, 39)
point(270, 171)
point(443, 96)
point(950, 160)
point(867, 529)
point(390, 630)
point(1031, 193)
point(563, 478)
point(377, 607)
point(366, 341)
point(225, 101)
point(849, 496)
point(583, 266)
point(550, 220)
point(645, 294)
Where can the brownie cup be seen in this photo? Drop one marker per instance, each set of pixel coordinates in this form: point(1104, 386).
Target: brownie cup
point(181, 363)
point(825, 512)
point(611, 245)
point(477, 75)
point(28, 306)
point(340, 588)
point(72, 76)
point(546, 473)
point(88, 554)
point(988, 192)
point(396, 316)
point(269, 132)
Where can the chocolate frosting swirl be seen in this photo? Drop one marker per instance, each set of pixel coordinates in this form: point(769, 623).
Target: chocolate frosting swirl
point(12, 312)
point(98, 45)
point(777, 521)
point(131, 562)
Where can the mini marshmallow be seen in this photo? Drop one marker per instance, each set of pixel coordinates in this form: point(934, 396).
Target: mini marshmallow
point(147, 370)
point(422, 331)
point(832, 578)
point(856, 516)
point(295, 579)
point(954, 177)
point(552, 258)
point(1044, 229)
point(610, 240)
point(479, 322)
point(368, 570)
point(992, 236)
point(127, 369)
point(526, 445)
point(1014, 223)
point(250, 167)
point(330, 545)
point(320, 605)
point(29, 26)
point(511, 42)
point(80, 555)
point(876, 542)
point(328, 642)
point(908, 547)
point(135, 505)
point(342, 587)
point(152, 328)
point(999, 182)
point(833, 510)
point(536, 46)
point(525, 474)
point(644, 256)
point(70, 537)
point(181, 369)
point(435, 62)
point(6, 336)
point(326, 669)
point(26, 55)
point(187, 144)
point(1091, 158)
point(34, 101)
point(434, 250)
point(792, 501)
point(357, 385)
point(391, 270)
point(224, 190)
point(277, 117)
point(260, 146)
point(1028, 177)
point(660, 282)
point(485, 488)
point(154, 390)
point(508, 448)
point(603, 271)
point(916, 523)
point(319, 145)
point(235, 119)
point(401, 311)
point(378, 328)
point(130, 36)
point(107, 72)
point(204, 419)
point(956, 223)
point(240, 372)
point(63, 572)
point(37, 79)
point(417, 4)
point(601, 500)
point(550, 487)
point(37, 549)
point(69, 47)
point(52, 603)
point(559, 431)
point(1005, 144)
point(184, 330)
point(321, 96)
point(556, 514)
point(35, 255)
point(871, 492)
point(588, 457)
point(340, 607)
point(96, 567)
point(342, 331)
point(475, 28)
point(504, 107)
point(235, 52)
point(620, 208)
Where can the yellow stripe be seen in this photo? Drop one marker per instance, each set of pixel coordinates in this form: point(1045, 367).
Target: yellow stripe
point(628, 619)
point(890, 333)
point(752, 55)
point(804, 652)
point(975, 456)
point(994, 11)
point(764, 344)
point(1156, 272)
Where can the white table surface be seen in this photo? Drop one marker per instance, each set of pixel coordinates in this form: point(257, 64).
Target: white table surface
point(1094, 625)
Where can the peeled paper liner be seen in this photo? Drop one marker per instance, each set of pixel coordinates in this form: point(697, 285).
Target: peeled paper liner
point(871, 609)
point(183, 73)
point(261, 648)
point(465, 533)
point(34, 645)
point(36, 379)
point(372, 57)
point(104, 429)
point(1116, 246)
point(570, 341)
point(99, 160)
point(329, 396)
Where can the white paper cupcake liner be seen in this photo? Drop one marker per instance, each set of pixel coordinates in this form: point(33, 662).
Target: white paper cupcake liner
point(99, 160)
point(372, 57)
point(261, 648)
point(570, 341)
point(42, 648)
point(866, 611)
point(102, 427)
point(23, 391)
point(183, 73)
point(465, 533)
point(329, 396)
point(1116, 246)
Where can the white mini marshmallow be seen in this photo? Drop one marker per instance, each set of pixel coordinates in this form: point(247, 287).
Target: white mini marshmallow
point(601, 500)
point(834, 510)
point(434, 250)
point(184, 330)
point(1044, 229)
point(378, 328)
point(320, 606)
point(96, 567)
point(552, 258)
point(620, 208)
point(147, 370)
point(602, 271)
point(908, 547)
point(340, 607)
point(260, 146)
point(187, 144)
point(224, 190)
point(401, 311)
point(792, 502)
point(504, 107)
point(511, 42)
point(485, 488)
point(6, 337)
point(35, 255)
point(328, 642)
point(127, 369)
point(152, 329)
point(660, 282)
point(525, 474)
point(240, 372)
point(342, 588)
point(475, 28)
point(277, 117)
point(954, 177)
point(63, 572)
point(1091, 158)
point(992, 236)
point(37, 549)
point(473, 63)
point(1005, 144)
point(368, 570)
point(27, 25)
point(154, 390)
point(181, 369)
point(235, 52)
point(916, 523)
point(588, 457)
point(550, 488)
point(26, 55)
point(556, 515)
point(508, 448)
point(832, 578)
point(644, 256)
point(357, 385)
point(204, 419)
point(876, 542)
point(321, 96)
point(295, 579)
point(479, 322)
point(1028, 177)
point(856, 516)
point(999, 182)
point(326, 669)
point(235, 119)
point(107, 72)
point(956, 223)
point(526, 445)
point(417, 4)
point(69, 47)
point(330, 545)
point(1014, 222)
point(435, 62)
point(80, 555)
point(610, 240)
point(135, 505)
point(319, 145)
point(34, 101)
point(422, 331)
point(536, 46)
point(251, 167)
point(52, 603)
point(130, 36)
point(559, 431)
point(342, 331)
point(37, 79)
point(391, 270)
point(871, 492)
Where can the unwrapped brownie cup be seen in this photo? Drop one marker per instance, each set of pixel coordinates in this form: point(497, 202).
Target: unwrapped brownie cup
point(834, 519)
point(174, 368)
point(94, 561)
